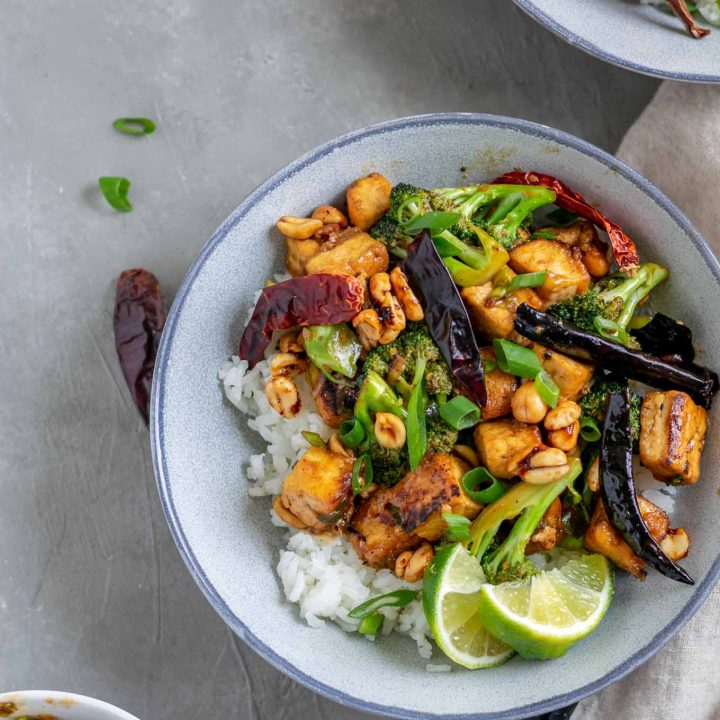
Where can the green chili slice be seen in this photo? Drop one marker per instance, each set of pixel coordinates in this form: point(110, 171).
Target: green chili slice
point(547, 389)
point(134, 126)
point(460, 413)
point(115, 190)
point(397, 598)
point(351, 433)
point(362, 474)
point(516, 359)
point(589, 429)
point(371, 624)
point(480, 477)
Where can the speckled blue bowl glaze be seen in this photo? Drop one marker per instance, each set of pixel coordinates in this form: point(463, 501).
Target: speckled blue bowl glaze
point(634, 36)
point(201, 444)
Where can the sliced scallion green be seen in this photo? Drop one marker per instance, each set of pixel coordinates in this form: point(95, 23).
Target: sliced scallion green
point(351, 433)
point(396, 598)
point(543, 235)
point(547, 389)
point(435, 221)
point(458, 527)
point(527, 280)
point(115, 190)
point(134, 126)
point(362, 474)
point(313, 438)
point(460, 413)
point(371, 624)
point(480, 477)
point(516, 359)
point(589, 429)
point(415, 424)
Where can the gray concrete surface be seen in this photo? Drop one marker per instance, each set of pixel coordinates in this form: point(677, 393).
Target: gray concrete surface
point(93, 595)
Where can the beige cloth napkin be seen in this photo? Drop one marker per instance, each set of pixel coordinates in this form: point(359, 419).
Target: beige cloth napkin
point(676, 145)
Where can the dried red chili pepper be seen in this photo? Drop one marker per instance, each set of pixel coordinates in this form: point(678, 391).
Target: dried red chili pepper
point(680, 8)
point(623, 247)
point(138, 321)
point(321, 299)
point(446, 315)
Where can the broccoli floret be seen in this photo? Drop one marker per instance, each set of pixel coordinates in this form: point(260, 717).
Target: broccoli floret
point(608, 307)
point(409, 345)
point(389, 466)
point(592, 404)
point(442, 437)
point(506, 560)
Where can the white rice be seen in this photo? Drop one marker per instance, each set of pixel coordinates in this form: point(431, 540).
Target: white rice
point(322, 576)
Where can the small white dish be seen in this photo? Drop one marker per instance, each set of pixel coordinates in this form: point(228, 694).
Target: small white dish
point(58, 706)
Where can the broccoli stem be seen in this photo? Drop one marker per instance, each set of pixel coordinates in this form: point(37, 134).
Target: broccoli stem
point(529, 501)
point(634, 290)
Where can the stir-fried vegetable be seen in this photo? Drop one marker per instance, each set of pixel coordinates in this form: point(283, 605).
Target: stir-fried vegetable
point(333, 348)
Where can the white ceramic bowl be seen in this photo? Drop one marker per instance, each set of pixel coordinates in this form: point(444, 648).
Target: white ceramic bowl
point(634, 36)
point(201, 444)
point(60, 706)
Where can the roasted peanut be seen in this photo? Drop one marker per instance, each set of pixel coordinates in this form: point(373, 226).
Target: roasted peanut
point(566, 413)
point(329, 215)
point(335, 446)
point(468, 454)
point(410, 304)
point(287, 364)
point(401, 563)
point(390, 430)
point(566, 438)
point(368, 328)
point(593, 475)
point(527, 405)
point(546, 466)
point(290, 343)
point(393, 321)
point(283, 396)
point(396, 369)
point(285, 515)
point(415, 568)
point(676, 544)
point(298, 228)
point(380, 287)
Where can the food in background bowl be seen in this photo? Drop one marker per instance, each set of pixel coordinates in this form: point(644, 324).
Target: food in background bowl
point(57, 705)
point(453, 385)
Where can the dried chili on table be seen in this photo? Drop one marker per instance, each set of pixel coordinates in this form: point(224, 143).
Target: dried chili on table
point(320, 299)
point(680, 8)
point(138, 321)
point(618, 489)
point(446, 315)
point(623, 248)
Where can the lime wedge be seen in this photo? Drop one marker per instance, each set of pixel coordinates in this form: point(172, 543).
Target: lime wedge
point(451, 591)
point(544, 615)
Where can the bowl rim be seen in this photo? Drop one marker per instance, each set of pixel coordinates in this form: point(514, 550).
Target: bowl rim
point(702, 589)
point(595, 50)
point(61, 695)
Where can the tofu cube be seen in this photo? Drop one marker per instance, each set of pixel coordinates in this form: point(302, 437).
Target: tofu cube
point(500, 388)
point(368, 199)
point(504, 444)
point(566, 274)
point(353, 253)
point(318, 491)
point(571, 376)
point(672, 436)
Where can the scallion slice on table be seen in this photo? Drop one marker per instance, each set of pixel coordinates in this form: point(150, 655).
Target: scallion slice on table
point(547, 389)
point(134, 126)
point(460, 413)
point(115, 190)
point(527, 280)
point(516, 359)
point(396, 598)
point(482, 486)
point(362, 474)
point(458, 527)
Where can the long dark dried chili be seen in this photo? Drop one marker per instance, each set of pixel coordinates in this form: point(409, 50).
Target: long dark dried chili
point(446, 315)
point(699, 382)
point(138, 320)
point(624, 251)
point(321, 299)
point(618, 489)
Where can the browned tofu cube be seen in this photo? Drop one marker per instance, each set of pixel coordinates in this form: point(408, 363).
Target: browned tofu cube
point(368, 199)
point(566, 274)
point(549, 531)
point(334, 402)
point(500, 387)
point(504, 444)
point(353, 253)
point(318, 491)
point(298, 254)
point(494, 317)
point(602, 537)
point(571, 376)
point(400, 518)
point(672, 436)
